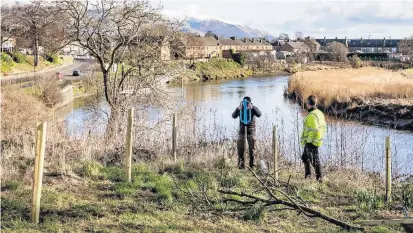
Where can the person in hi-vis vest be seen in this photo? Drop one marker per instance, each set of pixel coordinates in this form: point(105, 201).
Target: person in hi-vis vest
point(312, 137)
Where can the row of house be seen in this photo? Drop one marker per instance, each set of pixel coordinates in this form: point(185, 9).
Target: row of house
point(353, 45)
point(197, 47)
point(365, 45)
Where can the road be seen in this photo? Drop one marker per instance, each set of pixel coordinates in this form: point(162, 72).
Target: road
point(82, 65)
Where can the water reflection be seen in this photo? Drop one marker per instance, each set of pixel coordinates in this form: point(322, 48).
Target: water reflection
point(347, 143)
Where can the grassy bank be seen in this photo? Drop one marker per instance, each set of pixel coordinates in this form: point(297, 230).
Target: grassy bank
point(84, 188)
point(215, 69)
point(26, 65)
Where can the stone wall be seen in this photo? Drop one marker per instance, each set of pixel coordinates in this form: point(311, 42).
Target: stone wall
point(67, 96)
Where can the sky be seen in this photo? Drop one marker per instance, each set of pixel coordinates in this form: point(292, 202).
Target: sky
point(354, 19)
point(316, 18)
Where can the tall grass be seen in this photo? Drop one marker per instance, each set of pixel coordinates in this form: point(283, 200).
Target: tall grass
point(345, 84)
point(202, 139)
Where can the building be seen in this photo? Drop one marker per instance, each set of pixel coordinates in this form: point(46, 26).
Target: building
point(366, 45)
point(312, 43)
point(295, 47)
point(8, 43)
point(197, 47)
point(74, 49)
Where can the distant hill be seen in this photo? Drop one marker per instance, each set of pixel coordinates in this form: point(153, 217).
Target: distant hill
point(202, 26)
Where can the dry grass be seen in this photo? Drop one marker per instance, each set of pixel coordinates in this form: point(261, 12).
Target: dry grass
point(100, 202)
point(344, 84)
point(20, 112)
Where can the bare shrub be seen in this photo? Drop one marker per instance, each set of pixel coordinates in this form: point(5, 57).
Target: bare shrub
point(51, 93)
point(19, 113)
point(337, 52)
point(356, 62)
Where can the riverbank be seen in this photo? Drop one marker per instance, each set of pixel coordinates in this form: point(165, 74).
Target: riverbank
point(215, 69)
point(163, 197)
point(84, 188)
point(372, 95)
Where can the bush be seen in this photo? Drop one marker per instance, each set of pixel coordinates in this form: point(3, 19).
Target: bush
point(91, 169)
point(51, 92)
point(18, 57)
point(355, 62)
point(239, 58)
point(6, 62)
point(53, 58)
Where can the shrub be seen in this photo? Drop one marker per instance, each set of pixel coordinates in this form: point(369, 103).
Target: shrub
point(355, 62)
point(51, 92)
point(18, 57)
point(238, 58)
point(6, 62)
point(19, 114)
point(91, 169)
point(53, 58)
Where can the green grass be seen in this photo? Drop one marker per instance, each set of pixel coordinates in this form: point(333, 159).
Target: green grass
point(26, 64)
point(215, 69)
point(169, 199)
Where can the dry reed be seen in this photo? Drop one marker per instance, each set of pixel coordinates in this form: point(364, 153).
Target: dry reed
point(345, 84)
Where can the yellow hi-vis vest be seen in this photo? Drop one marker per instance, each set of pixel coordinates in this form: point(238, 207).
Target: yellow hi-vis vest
point(314, 128)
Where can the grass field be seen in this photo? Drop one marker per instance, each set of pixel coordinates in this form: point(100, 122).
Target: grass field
point(344, 84)
point(167, 198)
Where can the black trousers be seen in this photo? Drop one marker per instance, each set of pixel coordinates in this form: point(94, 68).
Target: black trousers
point(311, 156)
point(241, 149)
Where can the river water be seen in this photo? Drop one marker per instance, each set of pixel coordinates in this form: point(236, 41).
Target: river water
point(347, 143)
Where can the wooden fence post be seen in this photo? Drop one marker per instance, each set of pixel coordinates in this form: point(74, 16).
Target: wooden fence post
point(275, 151)
point(174, 119)
point(388, 170)
point(38, 170)
point(128, 146)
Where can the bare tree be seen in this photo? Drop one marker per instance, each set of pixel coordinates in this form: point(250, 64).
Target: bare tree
point(283, 36)
point(406, 48)
point(5, 25)
point(36, 22)
point(128, 34)
point(299, 36)
point(337, 51)
point(210, 34)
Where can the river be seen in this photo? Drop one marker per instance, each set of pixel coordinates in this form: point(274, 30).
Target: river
point(347, 143)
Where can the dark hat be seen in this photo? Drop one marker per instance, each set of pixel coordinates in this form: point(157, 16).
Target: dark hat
point(247, 98)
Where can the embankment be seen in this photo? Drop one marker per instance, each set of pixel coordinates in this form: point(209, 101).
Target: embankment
point(371, 95)
point(215, 69)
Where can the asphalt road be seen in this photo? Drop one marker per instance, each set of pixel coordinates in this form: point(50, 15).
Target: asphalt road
point(67, 70)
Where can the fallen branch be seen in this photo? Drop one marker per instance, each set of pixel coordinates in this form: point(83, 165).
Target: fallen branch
point(290, 203)
point(314, 213)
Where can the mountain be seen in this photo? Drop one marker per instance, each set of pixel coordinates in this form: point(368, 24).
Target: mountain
point(202, 26)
